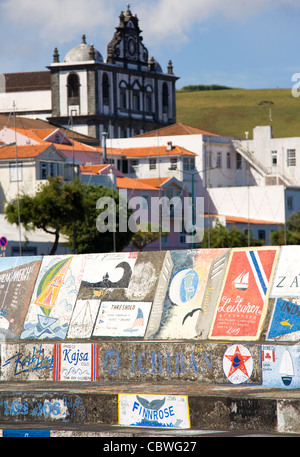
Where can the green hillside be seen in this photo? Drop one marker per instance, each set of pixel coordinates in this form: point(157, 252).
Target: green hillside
point(232, 112)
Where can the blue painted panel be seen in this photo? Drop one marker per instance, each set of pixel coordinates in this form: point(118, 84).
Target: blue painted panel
point(26, 433)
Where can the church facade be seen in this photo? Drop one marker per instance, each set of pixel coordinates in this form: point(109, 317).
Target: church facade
point(124, 95)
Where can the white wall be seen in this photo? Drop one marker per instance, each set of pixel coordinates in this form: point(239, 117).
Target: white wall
point(262, 203)
point(38, 101)
point(262, 146)
point(203, 146)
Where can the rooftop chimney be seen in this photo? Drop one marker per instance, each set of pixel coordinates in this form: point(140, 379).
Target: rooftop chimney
point(169, 146)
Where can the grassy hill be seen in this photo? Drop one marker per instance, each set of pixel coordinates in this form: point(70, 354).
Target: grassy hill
point(232, 112)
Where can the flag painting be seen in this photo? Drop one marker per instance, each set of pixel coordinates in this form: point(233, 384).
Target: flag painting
point(120, 318)
point(242, 303)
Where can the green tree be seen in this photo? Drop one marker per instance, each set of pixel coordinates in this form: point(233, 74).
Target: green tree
point(291, 234)
point(68, 209)
point(53, 206)
point(221, 237)
point(83, 234)
point(146, 235)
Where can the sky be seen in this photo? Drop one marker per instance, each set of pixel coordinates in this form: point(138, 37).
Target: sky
point(250, 44)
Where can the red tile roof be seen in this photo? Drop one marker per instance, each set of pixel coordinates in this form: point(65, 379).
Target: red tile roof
point(93, 169)
point(24, 152)
point(156, 182)
point(38, 124)
point(150, 151)
point(177, 129)
point(129, 183)
point(40, 135)
point(244, 220)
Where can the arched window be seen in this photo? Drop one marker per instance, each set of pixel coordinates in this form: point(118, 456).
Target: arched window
point(105, 89)
point(148, 99)
point(165, 98)
point(136, 99)
point(123, 95)
point(73, 89)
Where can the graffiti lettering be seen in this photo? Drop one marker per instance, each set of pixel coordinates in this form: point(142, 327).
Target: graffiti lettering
point(112, 361)
point(38, 408)
point(158, 362)
point(238, 306)
point(75, 357)
point(294, 282)
point(33, 362)
point(63, 408)
point(153, 414)
point(23, 274)
point(46, 408)
point(279, 284)
point(290, 308)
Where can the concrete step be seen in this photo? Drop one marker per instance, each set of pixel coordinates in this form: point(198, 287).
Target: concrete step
point(79, 406)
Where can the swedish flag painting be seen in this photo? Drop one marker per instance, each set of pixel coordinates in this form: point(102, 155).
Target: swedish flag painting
point(285, 320)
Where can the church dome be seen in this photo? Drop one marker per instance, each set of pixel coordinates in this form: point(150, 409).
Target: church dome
point(153, 65)
point(83, 52)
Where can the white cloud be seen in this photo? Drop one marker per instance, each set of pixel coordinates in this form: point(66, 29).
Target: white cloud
point(165, 23)
point(176, 20)
point(171, 20)
point(58, 20)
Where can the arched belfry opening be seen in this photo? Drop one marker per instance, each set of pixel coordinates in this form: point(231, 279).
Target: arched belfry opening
point(165, 98)
point(73, 87)
point(105, 89)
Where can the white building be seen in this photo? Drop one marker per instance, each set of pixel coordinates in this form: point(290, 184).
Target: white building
point(24, 168)
point(275, 158)
point(26, 93)
point(239, 184)
point(239, 179)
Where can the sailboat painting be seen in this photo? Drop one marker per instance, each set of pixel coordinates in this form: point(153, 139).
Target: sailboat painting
point(83, 318)
point(286, 369)
point(282, 369)
point(241, 282)
point(54, 297)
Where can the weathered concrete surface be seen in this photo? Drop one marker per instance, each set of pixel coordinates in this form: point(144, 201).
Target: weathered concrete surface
point(80, 406)
point(167, 362)
point(216, 329)
point(30, 397)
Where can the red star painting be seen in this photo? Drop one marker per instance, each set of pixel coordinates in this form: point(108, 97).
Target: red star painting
point(237, 364)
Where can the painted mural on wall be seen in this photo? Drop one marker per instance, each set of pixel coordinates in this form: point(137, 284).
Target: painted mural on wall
point(237, 364)
point(285, 320)
point(27, 362)
point(284, 323)
point(162, 411)
point(243, 301)
point(212, 290)
point(183, 303)
point(54, 297)
point(121, 295)
point(286, 281)
point(188, 294)
point(125, 319)
point(17, 280)
point(75, 362)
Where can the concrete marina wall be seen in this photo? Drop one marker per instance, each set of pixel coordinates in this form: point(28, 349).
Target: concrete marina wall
point(211, 318)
